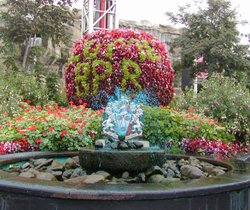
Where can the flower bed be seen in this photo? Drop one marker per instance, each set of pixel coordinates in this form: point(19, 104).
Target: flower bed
point(50, 128)
point(55, 128)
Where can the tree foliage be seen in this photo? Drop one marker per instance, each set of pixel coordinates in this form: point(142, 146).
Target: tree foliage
point(24, 19)
point(211, 32)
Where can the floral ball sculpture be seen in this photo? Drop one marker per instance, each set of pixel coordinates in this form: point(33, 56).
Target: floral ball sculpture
point(127, 59)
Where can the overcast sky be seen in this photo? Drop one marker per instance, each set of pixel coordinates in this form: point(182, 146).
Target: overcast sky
point(154, 11)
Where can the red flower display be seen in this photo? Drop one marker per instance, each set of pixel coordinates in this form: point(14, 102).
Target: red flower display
point(128, 59)
point(201, 146)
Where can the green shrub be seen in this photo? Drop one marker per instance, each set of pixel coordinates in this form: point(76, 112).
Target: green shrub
point(18, 86)
point(165, 125)
point(55, 89)
point(224, 99)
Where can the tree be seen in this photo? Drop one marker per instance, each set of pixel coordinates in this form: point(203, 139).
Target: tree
point(211, 33)
point(24, 19)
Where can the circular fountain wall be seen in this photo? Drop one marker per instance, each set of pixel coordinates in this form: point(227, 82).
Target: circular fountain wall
point(229, 191)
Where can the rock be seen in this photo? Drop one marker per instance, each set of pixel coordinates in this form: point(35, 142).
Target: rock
point(138, 144)
point(142, 177)
point(78, 172)
point(76, 159)
point(13, 169)
point(178, 174)
point(217, 172)
point(37, 162)
point(170, 164)
point(44, 164)
point(56, 166)
point(157, 178)
point(145, 144)
point(26, 165)
point(27, 175)
point(154, 170)
point(100, 143)
point(94, 178)
point(104, 173)
point(165, 166)
point(114, 145)
point(76, 180)
point(183, 162)
point(46, 176)
point(125, 175)
point(222, 168)
point(131, 145)
point(194, 162)
point(191, 172)
point(57, 174)
point(33, 171)
point(121, 181)
point(169, 173)
point(122, 145)
point(15, 173)
point(114, 179)
point(132, 180)
point(208, 168)
point(70, 163)
point(67, 173)
point(112, 182)
point(168, 181)
point(171, 169)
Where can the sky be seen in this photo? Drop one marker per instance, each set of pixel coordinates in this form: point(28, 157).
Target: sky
point(154, 11)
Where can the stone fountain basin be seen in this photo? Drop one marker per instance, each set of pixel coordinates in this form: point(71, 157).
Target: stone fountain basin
point(116, 161)
point(230, 191)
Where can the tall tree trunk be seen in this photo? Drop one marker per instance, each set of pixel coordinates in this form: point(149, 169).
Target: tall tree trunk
point(26, 52)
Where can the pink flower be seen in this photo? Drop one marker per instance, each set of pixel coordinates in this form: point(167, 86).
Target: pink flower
point(199, 59)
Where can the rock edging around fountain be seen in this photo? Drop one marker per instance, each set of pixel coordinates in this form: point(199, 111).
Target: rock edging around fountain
point(229, 191)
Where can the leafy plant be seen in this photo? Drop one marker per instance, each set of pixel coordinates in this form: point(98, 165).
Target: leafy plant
point(163, 125)
point(55, 90)
point(18, 86)
point(24, 20)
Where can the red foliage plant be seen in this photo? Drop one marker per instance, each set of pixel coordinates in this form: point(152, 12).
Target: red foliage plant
point(127, 59)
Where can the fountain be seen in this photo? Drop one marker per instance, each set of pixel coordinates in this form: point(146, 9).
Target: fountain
point(129, 60)
point(123, 127)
